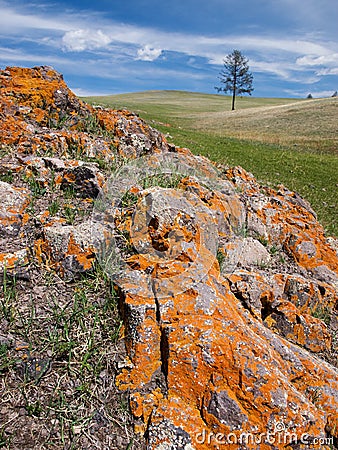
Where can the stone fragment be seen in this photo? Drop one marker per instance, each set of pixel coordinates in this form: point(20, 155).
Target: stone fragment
point(86, 181)
point(245, 252)
point(13, 262)
point(69, 249)
point(302, 329)
point(13, 202)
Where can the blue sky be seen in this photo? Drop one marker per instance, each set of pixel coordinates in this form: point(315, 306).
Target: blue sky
point(109, 47)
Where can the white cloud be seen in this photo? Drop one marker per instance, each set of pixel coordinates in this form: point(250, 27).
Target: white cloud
point(85, 39)
point(284, 70)
point(78, 33)
point(310, 60)
point(12, 21)
point(148, 53)
point(16, 56)
point(289, 58)
point(322, 65)
point(327, 71)
point(275, 68)
point(80, 92)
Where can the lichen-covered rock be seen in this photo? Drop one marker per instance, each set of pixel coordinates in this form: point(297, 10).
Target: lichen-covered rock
point(69, 249)
point(39, 114)
point(245, 252)
point(13, 202)
point(221, 348)
point(85, 180)
point(13, 262)
point(228, 290)
point(39, 96)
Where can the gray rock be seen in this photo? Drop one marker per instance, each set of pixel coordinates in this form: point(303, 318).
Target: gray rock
point(245, 252)
point(13, 202)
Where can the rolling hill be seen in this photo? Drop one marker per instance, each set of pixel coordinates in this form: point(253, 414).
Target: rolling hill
point(281, 140)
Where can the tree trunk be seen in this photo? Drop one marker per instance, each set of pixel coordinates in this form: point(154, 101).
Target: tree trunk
point(234, 90)
point(233, 100)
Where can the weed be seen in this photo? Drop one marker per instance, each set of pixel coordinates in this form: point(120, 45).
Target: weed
point(7, 177)
point(52, 184)
point(4, 440)
point(220, 258)
point(69, 191)
point(9, 297)
point(115, 332)
point(128, 199)
point(70, 213)
point(243, 231)
point(36, 186)
point(90, 124)
point(34, 409)
point(273, 249)
point(6, 362)
point(130, 445)
point(74, 150)
point(164, 180)
point(323, 313)
point(54, 207)
point(102, 163)
point(124, 403)
point(314, 394)
point(263, 240)
point(263, 265)
point(124, 236)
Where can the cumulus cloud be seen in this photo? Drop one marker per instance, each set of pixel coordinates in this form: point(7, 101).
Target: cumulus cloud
point(148, 53)
point(85, 39)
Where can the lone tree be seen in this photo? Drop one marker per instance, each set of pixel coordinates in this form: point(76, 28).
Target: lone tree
point(235, 77)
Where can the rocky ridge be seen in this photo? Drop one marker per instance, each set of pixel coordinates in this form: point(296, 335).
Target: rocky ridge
point(227, 289)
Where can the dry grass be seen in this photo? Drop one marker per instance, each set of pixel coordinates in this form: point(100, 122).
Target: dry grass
point(59, 350)
point(311, 124)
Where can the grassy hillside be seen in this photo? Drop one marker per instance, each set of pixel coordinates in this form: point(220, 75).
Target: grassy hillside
point(281, 141)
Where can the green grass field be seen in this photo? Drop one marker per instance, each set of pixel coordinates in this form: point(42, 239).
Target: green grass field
point(281, 141)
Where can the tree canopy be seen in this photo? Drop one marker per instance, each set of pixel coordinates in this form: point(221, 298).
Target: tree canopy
point(235, 76)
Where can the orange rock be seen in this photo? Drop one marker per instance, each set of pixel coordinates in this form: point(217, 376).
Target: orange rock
point(9, 261)
point(224, 371)
point(68, 249)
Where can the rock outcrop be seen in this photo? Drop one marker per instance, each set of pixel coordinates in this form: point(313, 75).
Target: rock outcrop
point(228, 289)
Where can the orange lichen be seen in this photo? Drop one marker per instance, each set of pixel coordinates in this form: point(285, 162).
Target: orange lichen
point(85, 257)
